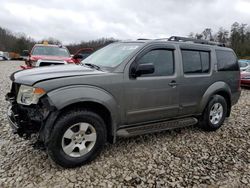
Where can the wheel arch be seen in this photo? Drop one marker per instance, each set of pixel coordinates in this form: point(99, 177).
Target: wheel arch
point(83, 96)
point(218, 88)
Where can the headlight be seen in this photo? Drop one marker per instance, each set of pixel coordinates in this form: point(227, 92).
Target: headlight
point(28, 95)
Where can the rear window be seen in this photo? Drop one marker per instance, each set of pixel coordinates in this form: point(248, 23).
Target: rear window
point(226, 61)
point(195, 61)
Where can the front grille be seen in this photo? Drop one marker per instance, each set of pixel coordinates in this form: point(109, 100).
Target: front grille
point(50, 63)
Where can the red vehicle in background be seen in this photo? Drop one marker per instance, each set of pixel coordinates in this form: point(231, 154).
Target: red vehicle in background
point(245, 77)
point(46, 55)
point(82, 54)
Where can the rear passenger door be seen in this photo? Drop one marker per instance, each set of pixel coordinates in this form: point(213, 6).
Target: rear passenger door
point(196, 77)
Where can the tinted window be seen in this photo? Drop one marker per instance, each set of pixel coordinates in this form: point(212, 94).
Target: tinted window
point(226, 61)
point(163, 61)
point(205, 60)
point(195, 61)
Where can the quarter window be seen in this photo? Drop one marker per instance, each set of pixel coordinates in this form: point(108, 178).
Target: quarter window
point(163, 61)
point(195, 61)
point(226, 61)
point(205, 61)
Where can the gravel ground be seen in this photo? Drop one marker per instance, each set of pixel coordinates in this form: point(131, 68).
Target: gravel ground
point(181, 158)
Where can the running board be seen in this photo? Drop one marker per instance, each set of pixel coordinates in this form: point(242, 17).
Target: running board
point(156, 127)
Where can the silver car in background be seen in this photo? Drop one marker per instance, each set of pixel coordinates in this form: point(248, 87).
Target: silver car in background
point(244, 64)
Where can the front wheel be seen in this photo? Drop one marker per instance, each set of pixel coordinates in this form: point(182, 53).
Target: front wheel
point(214, 114)
point(77, 138)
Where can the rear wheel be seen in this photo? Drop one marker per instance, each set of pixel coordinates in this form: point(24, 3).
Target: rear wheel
point(77, 138)
point(214, 114)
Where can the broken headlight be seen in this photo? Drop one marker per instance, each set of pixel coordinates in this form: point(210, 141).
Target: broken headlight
point(28, 95)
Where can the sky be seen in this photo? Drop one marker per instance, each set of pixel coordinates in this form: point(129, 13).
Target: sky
point(83, 20)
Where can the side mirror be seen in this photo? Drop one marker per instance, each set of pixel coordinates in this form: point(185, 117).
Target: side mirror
point(26, 53)
point(144, 69)
point(77, 56)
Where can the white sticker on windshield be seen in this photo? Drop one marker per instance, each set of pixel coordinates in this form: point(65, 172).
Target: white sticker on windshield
point(129, 47)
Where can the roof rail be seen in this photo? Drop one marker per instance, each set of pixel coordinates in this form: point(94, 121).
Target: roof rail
point(199, 41)
point(162, 39)
point(143, 39)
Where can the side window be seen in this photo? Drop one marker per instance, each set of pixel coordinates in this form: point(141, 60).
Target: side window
point(226, 61)
point(205, 60)
point(163, 61)
point(195, 61)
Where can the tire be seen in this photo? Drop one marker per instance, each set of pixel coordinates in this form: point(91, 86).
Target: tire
point(84, 150)
point(211, 121)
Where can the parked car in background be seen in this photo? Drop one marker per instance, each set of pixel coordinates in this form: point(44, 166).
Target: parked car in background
point(82, 54)
point(47, 54)
point(245, 77)
point(124, 89)
point(244, 64)
point(1, 56)
point(4, 56)
point(24, 55)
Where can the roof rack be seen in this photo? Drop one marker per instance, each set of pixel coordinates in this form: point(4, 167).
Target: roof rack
point(199, 41)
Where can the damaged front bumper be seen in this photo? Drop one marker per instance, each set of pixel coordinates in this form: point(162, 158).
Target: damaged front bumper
point(12, 120)
point(27, 120)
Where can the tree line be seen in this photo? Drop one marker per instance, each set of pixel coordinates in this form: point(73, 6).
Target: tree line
point(237, 38)
point(17, 42)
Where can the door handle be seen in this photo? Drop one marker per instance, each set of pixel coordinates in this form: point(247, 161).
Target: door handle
point(173, 83)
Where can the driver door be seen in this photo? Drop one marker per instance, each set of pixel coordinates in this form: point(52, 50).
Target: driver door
point(155, 96)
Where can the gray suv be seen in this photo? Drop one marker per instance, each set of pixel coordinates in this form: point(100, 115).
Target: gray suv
point(121, 90)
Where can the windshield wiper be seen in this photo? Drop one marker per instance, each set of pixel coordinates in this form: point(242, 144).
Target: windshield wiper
point(92, 66)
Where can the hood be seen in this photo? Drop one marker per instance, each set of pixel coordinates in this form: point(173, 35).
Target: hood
point(44, 57)
point(32, 76)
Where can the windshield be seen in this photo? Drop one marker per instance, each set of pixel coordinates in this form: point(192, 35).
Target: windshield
point(50, 51)
point(112, 55)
